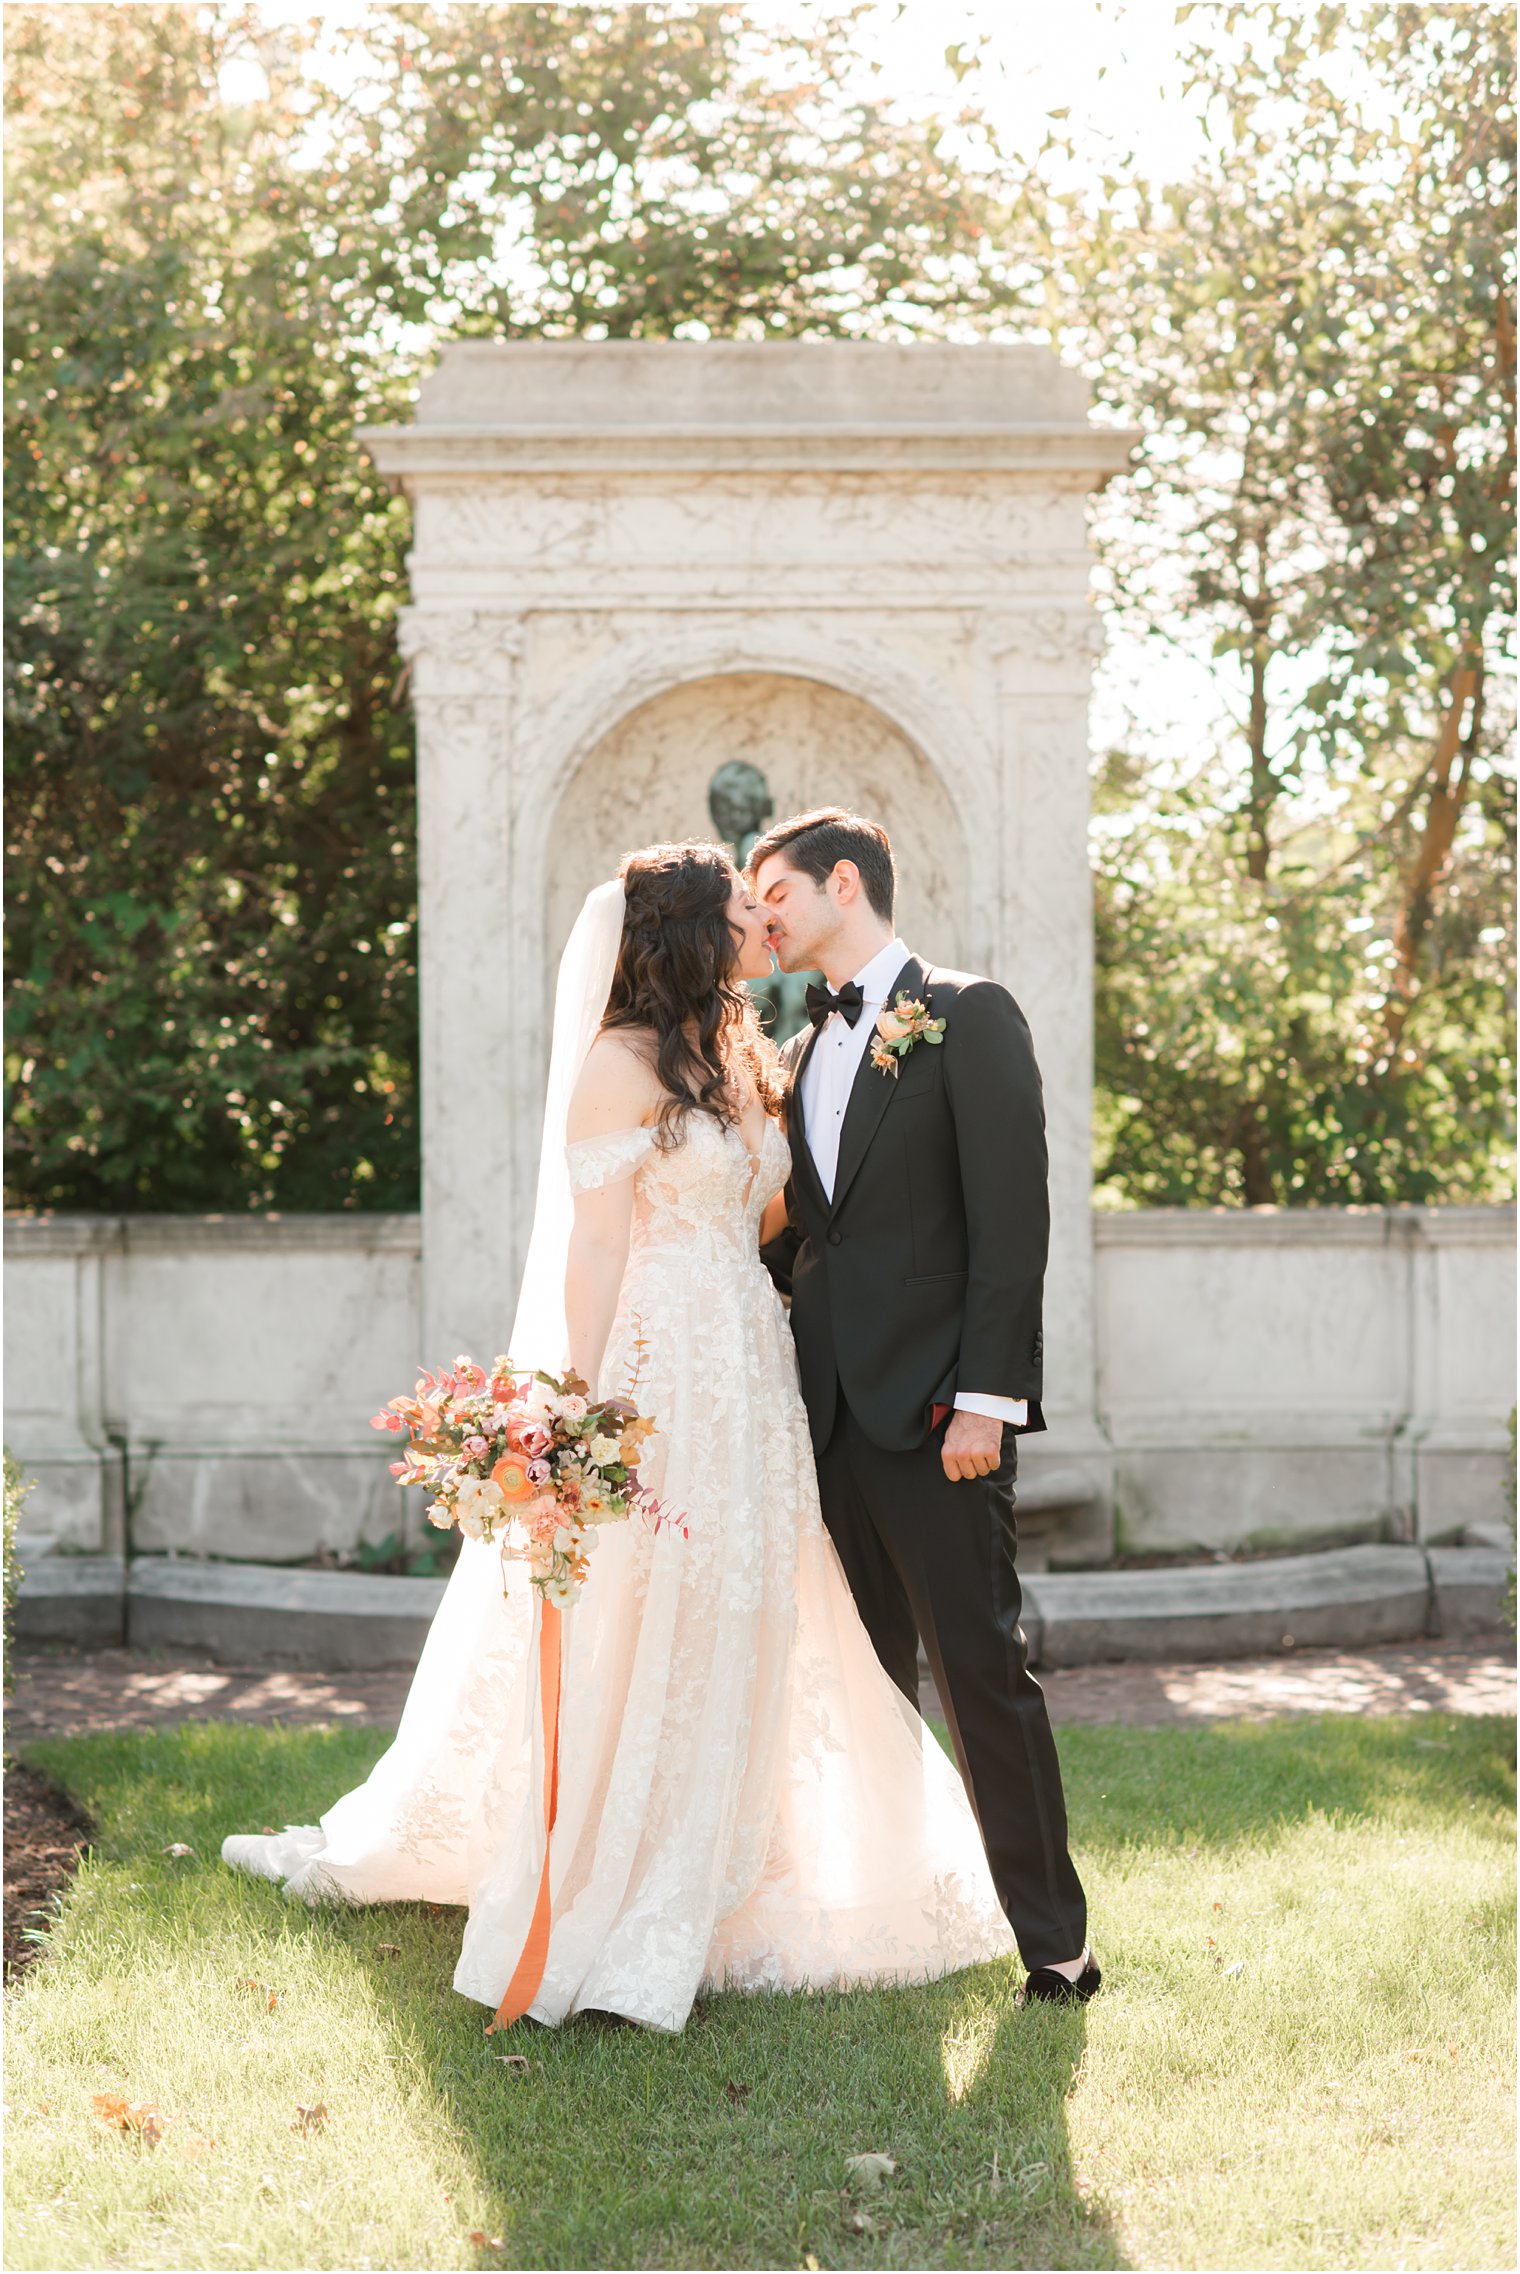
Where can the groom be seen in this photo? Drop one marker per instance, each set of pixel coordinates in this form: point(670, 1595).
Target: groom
point(914, 1254)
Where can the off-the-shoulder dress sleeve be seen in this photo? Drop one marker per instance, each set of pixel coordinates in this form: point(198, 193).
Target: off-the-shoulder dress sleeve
point(595, 1161)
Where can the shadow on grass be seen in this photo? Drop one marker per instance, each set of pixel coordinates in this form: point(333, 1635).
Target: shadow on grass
point(728, 2146)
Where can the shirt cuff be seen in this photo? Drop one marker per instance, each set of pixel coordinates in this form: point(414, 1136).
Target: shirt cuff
point(1015, 1410)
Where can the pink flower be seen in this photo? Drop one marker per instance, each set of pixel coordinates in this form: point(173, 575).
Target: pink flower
point(539, 1472)
point(530, 1438)
point(475, 1446)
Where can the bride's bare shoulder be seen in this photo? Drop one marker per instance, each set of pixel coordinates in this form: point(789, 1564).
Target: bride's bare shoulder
point(617, 1089)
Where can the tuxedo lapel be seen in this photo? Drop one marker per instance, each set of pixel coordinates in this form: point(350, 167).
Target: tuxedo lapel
point(870, 1095)
point(803, 1164)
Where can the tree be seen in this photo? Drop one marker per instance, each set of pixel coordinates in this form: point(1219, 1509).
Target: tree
point(1305, 952)
point(211, 821)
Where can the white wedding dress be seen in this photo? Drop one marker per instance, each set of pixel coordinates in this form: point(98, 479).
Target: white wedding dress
point(746, 1800)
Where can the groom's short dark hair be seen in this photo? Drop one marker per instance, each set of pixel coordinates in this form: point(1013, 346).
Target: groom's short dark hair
point(815, 842)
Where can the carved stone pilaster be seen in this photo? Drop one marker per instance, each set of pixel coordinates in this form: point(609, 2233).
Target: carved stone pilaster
point(457, 653)
point(1052, 648)
point(465, 664)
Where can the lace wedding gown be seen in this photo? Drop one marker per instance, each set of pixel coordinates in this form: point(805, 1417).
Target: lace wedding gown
point(746, 1799)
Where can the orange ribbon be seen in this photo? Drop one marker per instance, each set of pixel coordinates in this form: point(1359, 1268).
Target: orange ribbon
point(524, 1985)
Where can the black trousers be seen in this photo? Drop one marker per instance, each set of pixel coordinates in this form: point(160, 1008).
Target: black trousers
point(928, 1557)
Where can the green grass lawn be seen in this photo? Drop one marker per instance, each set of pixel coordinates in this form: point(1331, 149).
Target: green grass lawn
point(1303, 2058)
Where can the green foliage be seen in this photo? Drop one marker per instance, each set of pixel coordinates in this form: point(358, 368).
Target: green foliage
point(17, 1486)
point(1239, 1033)
point(211, 817)
point(1305, 937)
point(1306, 962)
point(434, 1560)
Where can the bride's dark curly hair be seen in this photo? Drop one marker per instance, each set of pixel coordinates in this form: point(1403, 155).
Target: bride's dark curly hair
point(675, 988)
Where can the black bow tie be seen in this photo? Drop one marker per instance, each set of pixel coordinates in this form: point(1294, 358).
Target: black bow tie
point(849, 1003)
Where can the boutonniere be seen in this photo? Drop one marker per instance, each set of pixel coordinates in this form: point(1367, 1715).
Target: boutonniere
point(898, 1028)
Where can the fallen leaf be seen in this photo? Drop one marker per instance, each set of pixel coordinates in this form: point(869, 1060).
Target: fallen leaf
point(810, 2264)
point(198, 2145)
point(311, 2116)
point(177, 1848)
point(1454, 2052)
point(1219, 1906)
point(1239, 1967)
point(869, 2171)
point(737, 2093)
point(269, 1828)
point(139, 2116)
point(518, 2063)
point(861, 2223)
point(387, 1950)
point(483, 2241)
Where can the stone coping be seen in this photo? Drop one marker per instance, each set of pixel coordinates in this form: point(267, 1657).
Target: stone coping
point(28, 1235)
point(1345, 1597)
point(1489, 1226)
point(187, 1580)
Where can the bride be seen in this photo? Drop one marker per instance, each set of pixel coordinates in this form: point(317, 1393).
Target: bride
point(745, 1798)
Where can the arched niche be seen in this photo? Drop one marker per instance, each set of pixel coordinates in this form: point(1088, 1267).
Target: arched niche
point(647, 779)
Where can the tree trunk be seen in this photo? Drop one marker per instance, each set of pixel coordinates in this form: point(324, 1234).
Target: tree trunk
point(1451, 774)
point(1263, 787)
point(1256, 1177)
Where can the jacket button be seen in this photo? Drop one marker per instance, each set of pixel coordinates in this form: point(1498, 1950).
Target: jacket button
point(835, 1238)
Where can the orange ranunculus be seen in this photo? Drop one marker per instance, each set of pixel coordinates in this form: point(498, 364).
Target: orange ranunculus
point(511, 1474)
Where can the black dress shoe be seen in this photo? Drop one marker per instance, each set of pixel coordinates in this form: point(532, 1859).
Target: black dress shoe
point(1046, 1987)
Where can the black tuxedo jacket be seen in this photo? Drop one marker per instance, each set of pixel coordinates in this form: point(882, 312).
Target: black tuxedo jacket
point(926, 1270)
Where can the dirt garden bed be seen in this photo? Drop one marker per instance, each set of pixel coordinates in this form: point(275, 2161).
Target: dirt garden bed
point(44, 1833)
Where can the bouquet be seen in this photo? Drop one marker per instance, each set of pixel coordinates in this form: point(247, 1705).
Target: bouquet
point(527, 1458)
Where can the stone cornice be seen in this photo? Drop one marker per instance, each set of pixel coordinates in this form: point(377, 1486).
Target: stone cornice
point(407, 454)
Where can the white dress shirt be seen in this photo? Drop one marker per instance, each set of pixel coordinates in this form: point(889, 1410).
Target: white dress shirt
point(827, 1081)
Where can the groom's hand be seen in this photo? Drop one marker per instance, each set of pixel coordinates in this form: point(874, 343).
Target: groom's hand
point(973, 1446)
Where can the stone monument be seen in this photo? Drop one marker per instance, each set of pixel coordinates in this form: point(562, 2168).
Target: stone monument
point(858, 569)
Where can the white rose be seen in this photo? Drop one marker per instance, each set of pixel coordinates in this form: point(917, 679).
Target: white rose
point(605, 1450)
point(476, 1505)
